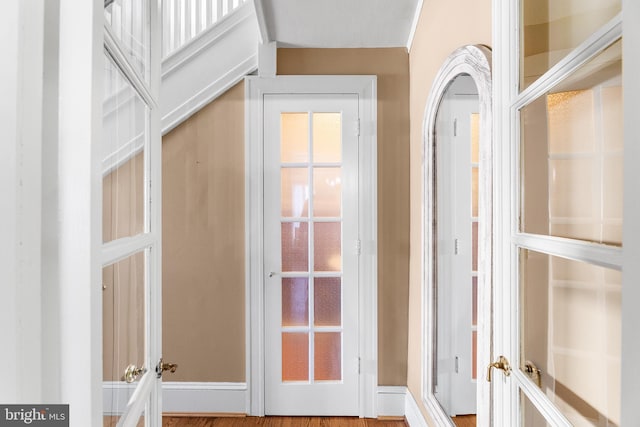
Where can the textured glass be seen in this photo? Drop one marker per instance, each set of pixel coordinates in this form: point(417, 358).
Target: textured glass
point(474, 301)
point(295, 192)
point(327, 301)
point(327, 244)
point(328, 356)
point(475, 138)
point(552, 28)
point(122, 150)
point(295, 246)
point(295, 356)
point(474, 192)
point(294, 142)
point(327, 138)
point(128, 20)
point(573, 155)
point(295, 301)
point(123, 316)
point(571, 329)
point(327, 192)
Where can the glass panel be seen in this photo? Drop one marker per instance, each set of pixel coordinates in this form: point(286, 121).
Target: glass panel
point(295, 356)
point(123, 323)
point(128, 20)
point(327, 243)
point(327, 138)
point(122, 157)
point(327, 192)
point(294, 144)
point(295, 192)
point(327, 299)
point(474, 192)
point(295, 301)
point(552, 28)
point(571, 328)
point(295, 246)
point(475, 138)
point(327, 358)
point(572, 155)
point(530, 415)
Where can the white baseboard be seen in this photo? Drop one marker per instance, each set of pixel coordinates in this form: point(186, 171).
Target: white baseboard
point(391, 401)
point(412, 412)
point(197, 397)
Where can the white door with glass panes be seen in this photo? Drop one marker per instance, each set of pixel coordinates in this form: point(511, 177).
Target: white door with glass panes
point(131, 227)
point(311, 254)
point(560, 257)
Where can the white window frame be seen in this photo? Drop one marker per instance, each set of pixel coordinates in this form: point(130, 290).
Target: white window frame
point(255, 89)
point(507, 99)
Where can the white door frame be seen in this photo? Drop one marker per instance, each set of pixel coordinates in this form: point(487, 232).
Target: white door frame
point(255, 89)
point(476, 62)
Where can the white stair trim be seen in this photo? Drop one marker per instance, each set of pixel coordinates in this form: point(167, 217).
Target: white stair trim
point(412, 412)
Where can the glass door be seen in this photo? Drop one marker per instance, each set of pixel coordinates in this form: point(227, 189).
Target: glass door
point(561, 311)
point(131, 231)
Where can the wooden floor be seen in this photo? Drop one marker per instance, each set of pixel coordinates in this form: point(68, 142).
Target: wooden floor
point(279, 422)
point(464, 420)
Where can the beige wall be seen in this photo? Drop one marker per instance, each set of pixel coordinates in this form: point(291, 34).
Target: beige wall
point(392, 68)
point(203, 243)
point(441, 29)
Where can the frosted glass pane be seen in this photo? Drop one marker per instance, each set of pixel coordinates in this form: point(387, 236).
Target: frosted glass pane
point(572, 155)
point(571, 324)
point(327, 137)
point(295, 192)
point(327, 301)
point(553, 28)
point(474, 246)
point(327, 192)
point(295, 246)
point(295, 356)
point(123, 316)
point(474, 192)
point(294, 139)
point(122, 151)
point(328, 356)
point(327, 243)
point(295, 301)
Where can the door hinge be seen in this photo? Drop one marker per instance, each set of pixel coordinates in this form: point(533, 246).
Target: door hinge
point(456, 246)
point(358, 127)
point(455, 127)
point(358, 247)
point(359, 363)
point(457, 362)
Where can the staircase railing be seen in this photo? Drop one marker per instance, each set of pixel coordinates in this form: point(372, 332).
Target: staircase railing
point(183, 20)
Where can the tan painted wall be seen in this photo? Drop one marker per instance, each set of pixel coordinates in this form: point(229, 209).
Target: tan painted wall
point(392, 68)
point(203, 243)
point(444, 25)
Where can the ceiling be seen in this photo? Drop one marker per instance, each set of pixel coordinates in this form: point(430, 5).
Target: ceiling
point(339, 23)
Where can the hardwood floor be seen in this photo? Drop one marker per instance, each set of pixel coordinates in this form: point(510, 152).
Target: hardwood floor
point(279, 422)
point(464, 420)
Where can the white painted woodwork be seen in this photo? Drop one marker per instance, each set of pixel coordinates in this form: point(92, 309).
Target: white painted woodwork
point(336, 397)
point(365, 88)
point(474, 61)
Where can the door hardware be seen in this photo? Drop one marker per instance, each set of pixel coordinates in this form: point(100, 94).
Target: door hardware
point(533, 372)
point(502, 363)
point(162, 366)
point(132, 373)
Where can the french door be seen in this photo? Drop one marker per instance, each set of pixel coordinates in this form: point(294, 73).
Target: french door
point(312, 254)
point(131, 184)
point(562, 244)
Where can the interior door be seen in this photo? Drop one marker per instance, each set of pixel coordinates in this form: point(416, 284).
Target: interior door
point(131, 209)
point(311, 254)
point(561, 298)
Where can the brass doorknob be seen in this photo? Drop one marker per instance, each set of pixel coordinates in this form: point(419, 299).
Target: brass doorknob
point(133, 372)
point(163, 366)
point(502, 363)
point(533, 372)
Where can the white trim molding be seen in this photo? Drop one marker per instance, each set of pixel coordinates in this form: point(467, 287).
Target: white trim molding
point(182, 397)
point(474, 61)
point(391, 401)
point(414, 24)
point(255, 89)
point(412, 413)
